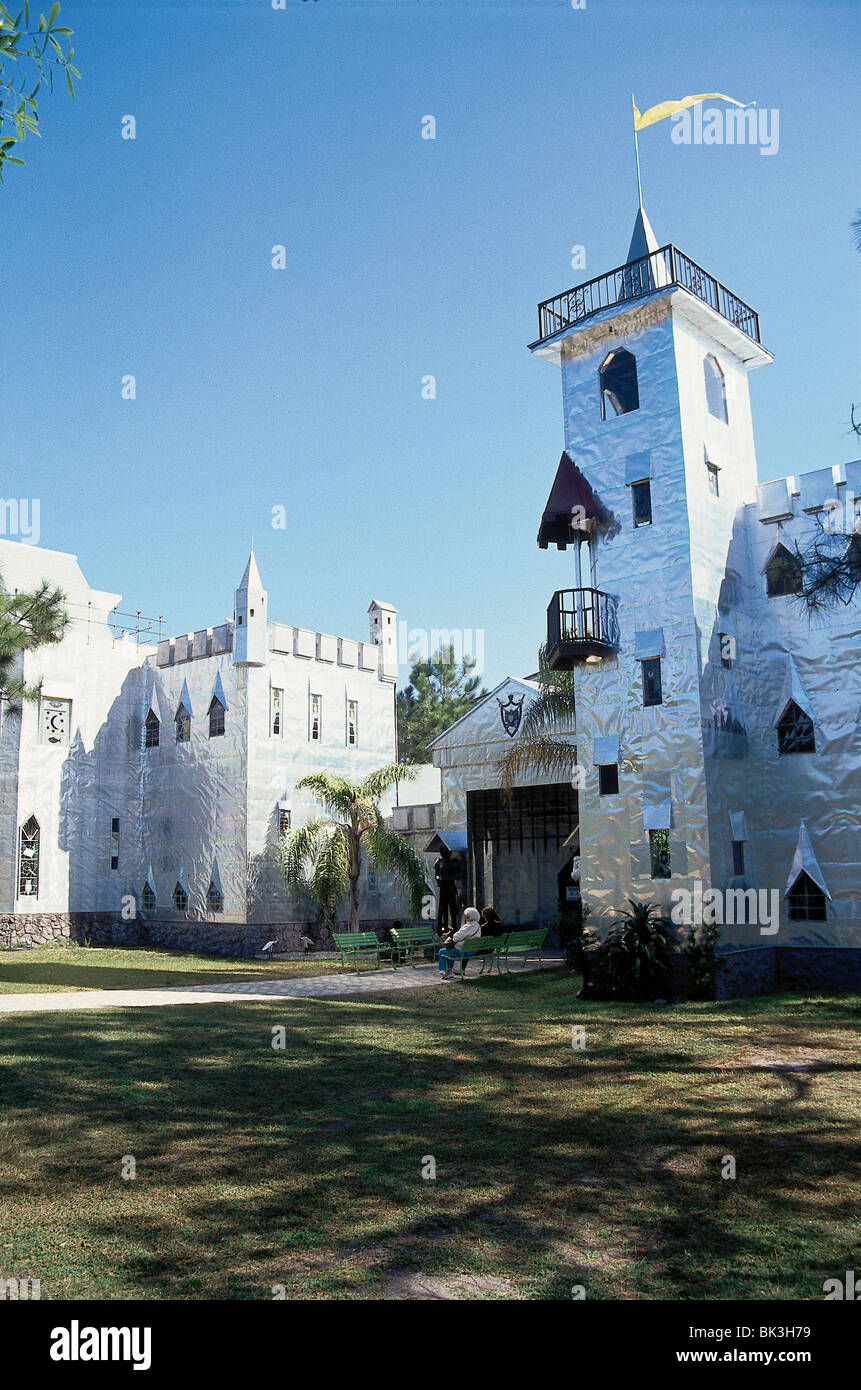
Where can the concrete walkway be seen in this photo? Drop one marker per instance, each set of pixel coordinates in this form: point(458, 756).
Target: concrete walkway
point(237, 992)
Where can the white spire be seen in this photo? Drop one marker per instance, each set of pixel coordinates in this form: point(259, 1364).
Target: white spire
point(251, 578)
point(250, 627)
point(643, 240)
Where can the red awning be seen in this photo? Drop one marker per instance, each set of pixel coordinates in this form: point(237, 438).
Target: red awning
point(570, 490)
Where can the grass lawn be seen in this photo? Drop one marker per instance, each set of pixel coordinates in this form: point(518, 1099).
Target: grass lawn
point(45, 969)
point(554, 1167)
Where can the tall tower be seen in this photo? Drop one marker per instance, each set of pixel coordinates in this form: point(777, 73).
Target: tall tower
point(250, 619)
point(383, 624)
point(655, 357)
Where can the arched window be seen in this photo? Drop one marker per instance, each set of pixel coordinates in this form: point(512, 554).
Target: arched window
point(183, 725)
point(618, 380)
point(795, 733)
point(28, 859)
point(805, 900)
point(148, 897)
point(180, 898)
point(216, 718)
point(152, 729)
point(715, 390)
point(214, 897)
point(783, 574)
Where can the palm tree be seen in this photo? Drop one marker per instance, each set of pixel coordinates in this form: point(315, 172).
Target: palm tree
point(545, 745)
point(324, 856)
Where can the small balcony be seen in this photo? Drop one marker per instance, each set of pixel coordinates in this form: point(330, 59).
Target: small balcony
point(581, 626)
point(666, 268)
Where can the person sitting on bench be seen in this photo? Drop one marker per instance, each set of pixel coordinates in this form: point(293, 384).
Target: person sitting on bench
point(490, 923)
point(450, 950)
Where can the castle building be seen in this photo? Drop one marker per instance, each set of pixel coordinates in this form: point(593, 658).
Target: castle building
point(151, 783)
point(717, 727)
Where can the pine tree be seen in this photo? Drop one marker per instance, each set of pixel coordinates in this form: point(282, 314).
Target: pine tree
point(30, 619)
point(439, 692)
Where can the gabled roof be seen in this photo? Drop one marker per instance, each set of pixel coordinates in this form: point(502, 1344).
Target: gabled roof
point(570, 489)
point(805, 861)
point(529, 688)
point(793, 689)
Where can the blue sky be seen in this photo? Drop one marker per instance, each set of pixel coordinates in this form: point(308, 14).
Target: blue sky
point(301, 388)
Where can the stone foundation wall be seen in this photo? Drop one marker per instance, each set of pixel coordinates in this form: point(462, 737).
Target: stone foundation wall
point(218, 938)
point(744, 973)
point(812, 967)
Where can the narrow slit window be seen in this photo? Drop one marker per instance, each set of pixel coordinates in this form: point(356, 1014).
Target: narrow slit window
point(714, 479)
point(641, 498)
point(316, 717)
point(183, 725)
point(738, 857)
point(115, 842)
point(352, 722)
point(653, 693)
point(277, 709)
point(216, 718)
point(285, 821)
point(659, 853)
point(608, 779)
point(28, 859)
point(715, 390)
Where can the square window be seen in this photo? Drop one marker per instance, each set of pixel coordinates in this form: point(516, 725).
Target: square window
point(652, 688)
point(659, 853)
point(641, 497)
point(608, 779)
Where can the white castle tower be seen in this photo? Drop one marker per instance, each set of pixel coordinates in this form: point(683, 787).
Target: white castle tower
point(250, 619)
point(655, 359)
point(384, 628)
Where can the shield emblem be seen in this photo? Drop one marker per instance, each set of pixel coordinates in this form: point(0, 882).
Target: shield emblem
point(511, 712)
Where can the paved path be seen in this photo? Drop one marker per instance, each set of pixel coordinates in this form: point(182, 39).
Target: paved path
point(307, 987)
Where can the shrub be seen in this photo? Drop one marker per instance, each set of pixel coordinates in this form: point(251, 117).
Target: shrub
point(634, 959)
point(702, 959)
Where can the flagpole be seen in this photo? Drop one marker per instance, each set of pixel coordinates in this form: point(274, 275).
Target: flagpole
point(637, 155)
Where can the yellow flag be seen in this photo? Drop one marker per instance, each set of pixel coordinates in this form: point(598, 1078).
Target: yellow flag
point(667, 108)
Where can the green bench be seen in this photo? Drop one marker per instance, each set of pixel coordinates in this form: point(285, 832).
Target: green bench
point(483, 948)
point(521, 943)
point(354, 946)
point(408, 940)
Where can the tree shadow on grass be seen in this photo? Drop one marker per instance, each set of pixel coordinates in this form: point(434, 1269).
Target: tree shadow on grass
point(304, 1166)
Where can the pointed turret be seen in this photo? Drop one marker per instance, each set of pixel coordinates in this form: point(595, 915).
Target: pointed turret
point(250, 619)
point(643, 239)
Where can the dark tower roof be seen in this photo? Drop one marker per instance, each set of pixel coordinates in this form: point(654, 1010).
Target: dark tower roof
point(570, 489)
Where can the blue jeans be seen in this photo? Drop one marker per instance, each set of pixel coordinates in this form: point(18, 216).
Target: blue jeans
point(447, 957)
